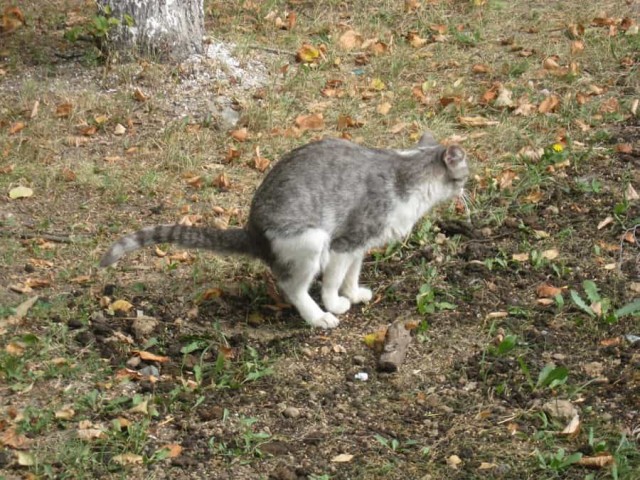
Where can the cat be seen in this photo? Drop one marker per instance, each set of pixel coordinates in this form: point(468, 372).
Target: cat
point(319, 210)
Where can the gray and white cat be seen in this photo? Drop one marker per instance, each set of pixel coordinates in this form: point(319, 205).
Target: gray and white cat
point(319, 210)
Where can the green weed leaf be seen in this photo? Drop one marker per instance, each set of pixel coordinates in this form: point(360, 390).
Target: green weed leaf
point(580, 303)
point(629, 309)
point(552, 376)
point(591, 289)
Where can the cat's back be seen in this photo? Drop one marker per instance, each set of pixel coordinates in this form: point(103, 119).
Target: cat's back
point(318, 180)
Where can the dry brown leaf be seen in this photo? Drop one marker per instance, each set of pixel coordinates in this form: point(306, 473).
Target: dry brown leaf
point(345, 121)
point(88, 130)
point(128, 459)
point(606, 221)
point(383, 108)
point(259, 162)
point(631, 193)
point(195, 182)
point(476, 121)
point(342, 458)
point(415, 40)
point(506, 178)
point(221, 181)
point(533, 197)
point(550, 63)
point(350, 40)
point(610, 105)
point(577, 46)
point(547, 291)
point(575, 30)
point(624, 148)
point(240, 134)
point(64, 110)
point(15, 349)
point(17, 127)
point(315, 121)
point(520, 257)
point(152, 357)
point(139, 95)
point(119, 129)
point(598, 461)
point(174, 450)
point(550, 254)
point(12, 439)
point(504, 98)
point(549, 104)
point(411, 5)
point(480, 68)
point(11, 19)
point(573, 427)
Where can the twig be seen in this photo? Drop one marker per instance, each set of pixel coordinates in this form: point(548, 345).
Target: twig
point(396, 343)
point(277, 51)
point(633, 229)
point(45, 236)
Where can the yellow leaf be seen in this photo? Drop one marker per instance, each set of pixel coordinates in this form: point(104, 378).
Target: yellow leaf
point(25, 459)
point(307, 53)
point(121, 306)
point(342, 458)
point(20, 192)
point(377, 84)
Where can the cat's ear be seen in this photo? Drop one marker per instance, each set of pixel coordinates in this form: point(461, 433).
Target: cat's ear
point(427, 140)
point(454, 157)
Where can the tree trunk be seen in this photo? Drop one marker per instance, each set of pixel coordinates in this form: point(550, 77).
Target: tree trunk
point(169, 30)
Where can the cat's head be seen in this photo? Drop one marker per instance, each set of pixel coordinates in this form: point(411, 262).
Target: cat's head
point(456, 168)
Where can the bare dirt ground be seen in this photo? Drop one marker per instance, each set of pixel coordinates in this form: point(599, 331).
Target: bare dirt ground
point(183, 365)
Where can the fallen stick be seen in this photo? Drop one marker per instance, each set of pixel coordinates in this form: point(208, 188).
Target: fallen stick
point(396, 343)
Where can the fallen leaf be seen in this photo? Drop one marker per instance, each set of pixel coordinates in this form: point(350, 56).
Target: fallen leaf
point(64, 110)
point(128, 459)
point(577, 46)
point(383, 108)
point(504, 98)
point(139, 95)
point(12, 439)
point(315, 121)
point(453, 461)
point(487, 466)
point(121, 306)
point(174, 450)
point(240, 135)
point(342, 458)
point(15, 349)
point(260, 163)
point(476, 121)
point(610, 105)
point(7, 169)
point(506, 178)
point(607, 221)
point(221, 181)
point(350, 40)
point(547, 291)
point(20, 192)
point(35, 109)
point(480, 68)
point(611, 342)
point(142, 407)
point(631, 193)
point(151, 357)
point(550, 64)
point(22, 309)
point(65, 413)
point(520, 257)
point(25, 459)
point(549, 104)
point(119, 129)
point(307, 53)
point(598, 461)
point(17, 127)
point(375, 340)
point(624, 148)
point(415, 40)
point(345, 121)
point(411, 5)
point(377, 84)
point(573, 427)
point(550, 254)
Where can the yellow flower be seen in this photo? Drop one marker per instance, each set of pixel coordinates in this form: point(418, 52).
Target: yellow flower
point(557, 147)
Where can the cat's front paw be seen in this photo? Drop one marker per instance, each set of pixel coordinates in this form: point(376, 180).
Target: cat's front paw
point(359, 295)
point(337, 305)
point(326, 321)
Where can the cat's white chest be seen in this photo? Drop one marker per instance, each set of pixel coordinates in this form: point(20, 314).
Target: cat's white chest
point(404, 215)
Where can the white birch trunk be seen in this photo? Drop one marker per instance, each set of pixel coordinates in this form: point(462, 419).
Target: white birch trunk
point(169, 30)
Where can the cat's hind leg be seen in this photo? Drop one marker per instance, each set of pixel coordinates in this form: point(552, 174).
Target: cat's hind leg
point(332, 278)
point(298, 260)
point(350, 287)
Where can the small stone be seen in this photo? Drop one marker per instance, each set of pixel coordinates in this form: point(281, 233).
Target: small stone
point(150, 371)
point(561, 409)
point(359, 359)
point(550, 210)
point(306, 352)
point(229, 118)
point(291, 412)
point(133, 362)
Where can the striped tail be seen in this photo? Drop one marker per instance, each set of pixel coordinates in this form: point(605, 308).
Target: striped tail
point(231, 241)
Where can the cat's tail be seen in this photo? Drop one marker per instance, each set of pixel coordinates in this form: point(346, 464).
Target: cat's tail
point(230, 241)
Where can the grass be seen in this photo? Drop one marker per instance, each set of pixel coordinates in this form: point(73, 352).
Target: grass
point(490, 351)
